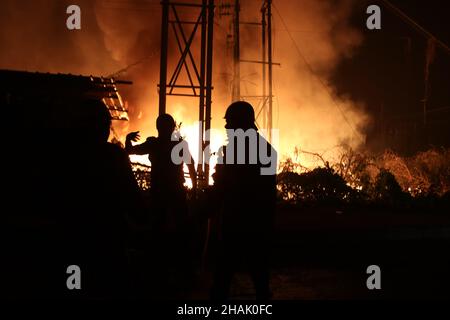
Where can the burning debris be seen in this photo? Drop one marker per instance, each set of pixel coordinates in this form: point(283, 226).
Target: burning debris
point(19, 87)
point(356, 175)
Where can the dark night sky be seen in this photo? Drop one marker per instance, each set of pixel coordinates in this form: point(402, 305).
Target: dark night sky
point(387, 71)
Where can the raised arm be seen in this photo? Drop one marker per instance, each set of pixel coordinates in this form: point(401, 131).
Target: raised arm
point(139, 149)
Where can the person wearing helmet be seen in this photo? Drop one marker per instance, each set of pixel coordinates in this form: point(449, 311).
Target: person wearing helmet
point(246, 196)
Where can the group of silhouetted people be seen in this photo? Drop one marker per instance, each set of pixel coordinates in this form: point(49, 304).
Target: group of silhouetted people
point(86, 207)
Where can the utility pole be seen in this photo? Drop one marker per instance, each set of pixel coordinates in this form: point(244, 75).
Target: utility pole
point(209, 76)
point(270, 61)
point(265, 106)
point(264, 66)
point(236, 92)
point(163, 58)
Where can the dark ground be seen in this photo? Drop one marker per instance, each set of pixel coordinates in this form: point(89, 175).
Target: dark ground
point(324, 255)
point(320, 254)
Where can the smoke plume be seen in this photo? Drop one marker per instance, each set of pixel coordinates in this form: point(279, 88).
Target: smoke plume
point(310, 39)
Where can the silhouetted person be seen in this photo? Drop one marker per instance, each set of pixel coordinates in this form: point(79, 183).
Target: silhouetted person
point(245, 187)
point(95, 195)
point(167, 178)
point(167, 192)
point(80, 195)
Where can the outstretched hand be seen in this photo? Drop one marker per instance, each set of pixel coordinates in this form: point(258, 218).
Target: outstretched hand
point(133, 136)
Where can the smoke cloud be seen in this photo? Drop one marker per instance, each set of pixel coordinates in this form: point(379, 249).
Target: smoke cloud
point(117, 34)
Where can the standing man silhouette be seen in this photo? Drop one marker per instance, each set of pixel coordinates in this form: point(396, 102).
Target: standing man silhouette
point(168, 198)
point(245, 189)
point(167, 178)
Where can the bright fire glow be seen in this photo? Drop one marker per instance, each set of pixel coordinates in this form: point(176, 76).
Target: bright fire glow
point(189, 130)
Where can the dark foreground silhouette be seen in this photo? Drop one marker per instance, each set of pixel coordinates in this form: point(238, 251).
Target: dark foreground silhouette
point(171, 232)
point(76, 211)
point(246, 199)
point(75, 201)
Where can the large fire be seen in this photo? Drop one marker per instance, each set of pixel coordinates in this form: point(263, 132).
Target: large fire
point(311, 38)
point(189, 131)
point(307, 112)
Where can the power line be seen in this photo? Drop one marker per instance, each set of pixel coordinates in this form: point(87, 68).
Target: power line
point(416, 26)
point(134, 64)
point(326, 88)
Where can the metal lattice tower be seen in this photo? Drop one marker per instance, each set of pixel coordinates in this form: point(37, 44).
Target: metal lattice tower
point(198, 71)
point(264, 112)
